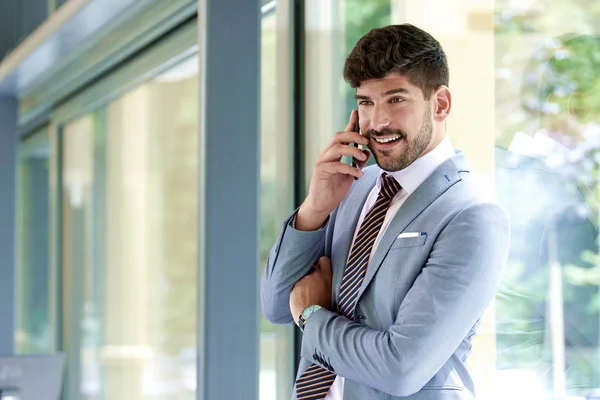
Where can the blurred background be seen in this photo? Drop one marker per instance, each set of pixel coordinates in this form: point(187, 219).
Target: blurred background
point(105, 148)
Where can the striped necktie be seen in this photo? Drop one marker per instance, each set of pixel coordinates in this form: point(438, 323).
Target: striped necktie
point(314, 383)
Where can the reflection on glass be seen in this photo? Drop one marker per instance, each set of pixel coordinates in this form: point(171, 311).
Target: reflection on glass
point(33, 331)
point(548, 156)
point(130, 242)
point(276, 342)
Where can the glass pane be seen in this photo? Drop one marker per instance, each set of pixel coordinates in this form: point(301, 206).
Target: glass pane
point(276, 342)
point(78, 316)
point(34, 333)
point(130, 242)
point(547, 157)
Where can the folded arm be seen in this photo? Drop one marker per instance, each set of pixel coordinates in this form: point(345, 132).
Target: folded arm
point(445, 301)
point(290, 259)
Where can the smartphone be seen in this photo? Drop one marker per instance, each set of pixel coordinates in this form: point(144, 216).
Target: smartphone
point(356, 129)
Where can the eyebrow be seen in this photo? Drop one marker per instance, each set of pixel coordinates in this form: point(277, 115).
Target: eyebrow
point(389, 92)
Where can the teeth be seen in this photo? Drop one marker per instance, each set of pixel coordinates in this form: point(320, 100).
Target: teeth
point(387, 140)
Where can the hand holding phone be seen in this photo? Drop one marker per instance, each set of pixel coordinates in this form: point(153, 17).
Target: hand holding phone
point(330, 180)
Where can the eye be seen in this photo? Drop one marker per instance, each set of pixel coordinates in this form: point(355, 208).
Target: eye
point(365, 102)
point(396, 100)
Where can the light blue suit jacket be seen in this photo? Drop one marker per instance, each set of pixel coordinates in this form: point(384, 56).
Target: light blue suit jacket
point(421, 299)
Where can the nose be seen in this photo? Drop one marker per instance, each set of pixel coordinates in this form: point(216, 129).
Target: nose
point(380, 118)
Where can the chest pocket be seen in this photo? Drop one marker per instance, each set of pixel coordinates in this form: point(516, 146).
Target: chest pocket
point(412, 241)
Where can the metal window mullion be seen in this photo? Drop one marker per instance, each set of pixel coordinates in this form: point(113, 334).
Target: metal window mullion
point(8, 163)
point(228, 213)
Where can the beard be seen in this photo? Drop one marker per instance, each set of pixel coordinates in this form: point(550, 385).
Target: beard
point(415, 147)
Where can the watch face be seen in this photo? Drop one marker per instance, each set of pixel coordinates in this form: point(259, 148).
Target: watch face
point(309, 310)
point(306, 312)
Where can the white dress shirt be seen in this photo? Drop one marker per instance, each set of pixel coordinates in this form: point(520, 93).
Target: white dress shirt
point(409, 178)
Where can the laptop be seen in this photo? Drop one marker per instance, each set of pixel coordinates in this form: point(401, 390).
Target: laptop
point(31, 377)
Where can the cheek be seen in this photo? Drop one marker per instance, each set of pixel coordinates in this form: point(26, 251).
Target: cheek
point(364, 119)
point(407, 120)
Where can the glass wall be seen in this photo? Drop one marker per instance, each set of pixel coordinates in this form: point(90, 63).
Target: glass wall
point(547, 156)
point(276, 341)
point(34, 333)
point(129, 174)
point(523, 75)
point(127, 262)
point(125, 237)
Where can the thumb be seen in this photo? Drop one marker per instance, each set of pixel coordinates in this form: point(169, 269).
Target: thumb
point(361, 164)
point(325, 265)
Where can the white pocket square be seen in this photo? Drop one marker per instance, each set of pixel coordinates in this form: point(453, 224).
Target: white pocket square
point(410, 234)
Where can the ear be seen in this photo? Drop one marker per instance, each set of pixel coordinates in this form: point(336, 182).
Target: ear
point(442, 103)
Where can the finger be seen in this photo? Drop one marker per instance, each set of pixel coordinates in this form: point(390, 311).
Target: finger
point(320, 262)
point(340, 168)
point(352, 121)
point(347, 138)
point(325, 265)
point(336, 152)
point(361, 164)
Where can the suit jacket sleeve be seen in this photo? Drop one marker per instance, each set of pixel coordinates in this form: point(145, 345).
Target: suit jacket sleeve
point(444, 303)
point(290, 259)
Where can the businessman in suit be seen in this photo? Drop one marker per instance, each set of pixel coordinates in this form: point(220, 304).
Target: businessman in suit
point(389, 274)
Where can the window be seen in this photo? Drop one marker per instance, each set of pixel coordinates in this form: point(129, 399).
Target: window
point(276, 341)
point(130, 240)
point(547, 158)
point(34, 333)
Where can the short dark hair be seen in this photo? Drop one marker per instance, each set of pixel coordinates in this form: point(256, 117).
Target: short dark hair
point(404, 49)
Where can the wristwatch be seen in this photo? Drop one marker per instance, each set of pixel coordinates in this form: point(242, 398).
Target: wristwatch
point(305, 314)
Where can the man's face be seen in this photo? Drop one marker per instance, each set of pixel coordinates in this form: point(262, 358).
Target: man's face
point(396, 119)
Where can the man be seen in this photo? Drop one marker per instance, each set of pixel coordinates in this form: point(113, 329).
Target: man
point(388, 274)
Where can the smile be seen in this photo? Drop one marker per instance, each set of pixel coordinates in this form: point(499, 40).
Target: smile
point(386, 139)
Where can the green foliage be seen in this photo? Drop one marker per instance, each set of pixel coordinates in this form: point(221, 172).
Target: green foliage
point(564, 88)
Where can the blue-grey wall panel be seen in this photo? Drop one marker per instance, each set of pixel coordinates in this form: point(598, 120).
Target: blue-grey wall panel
point(8, 152)
point(230, 181)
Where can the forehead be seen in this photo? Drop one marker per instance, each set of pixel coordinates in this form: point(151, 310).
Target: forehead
point(378, 87)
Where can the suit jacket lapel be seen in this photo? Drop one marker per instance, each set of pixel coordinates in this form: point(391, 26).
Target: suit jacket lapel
point(433, 187)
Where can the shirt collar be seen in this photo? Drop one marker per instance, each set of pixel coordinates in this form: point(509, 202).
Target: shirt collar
point(411, 177)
